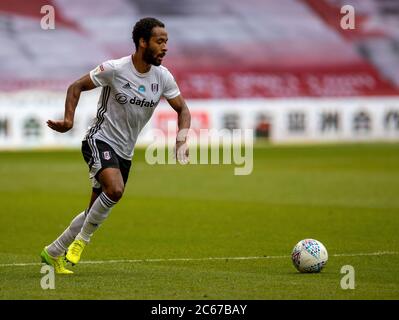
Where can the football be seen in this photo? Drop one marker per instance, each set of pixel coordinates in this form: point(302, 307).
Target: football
point(309, 255)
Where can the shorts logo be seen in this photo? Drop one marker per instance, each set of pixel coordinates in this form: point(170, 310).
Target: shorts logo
point(106, 155)
point(154, 87)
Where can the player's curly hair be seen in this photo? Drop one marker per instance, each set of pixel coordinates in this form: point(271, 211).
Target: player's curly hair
point(143, 29)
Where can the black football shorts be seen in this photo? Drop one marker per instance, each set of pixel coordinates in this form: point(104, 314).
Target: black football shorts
point(100, 155)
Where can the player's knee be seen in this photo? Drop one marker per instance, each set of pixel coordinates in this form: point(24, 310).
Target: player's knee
point(115, 193)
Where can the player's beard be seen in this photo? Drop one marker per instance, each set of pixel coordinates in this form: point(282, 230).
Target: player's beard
point(150, 57)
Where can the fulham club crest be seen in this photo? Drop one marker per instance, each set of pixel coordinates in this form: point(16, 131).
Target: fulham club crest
point(107, 155)
point(154, 88)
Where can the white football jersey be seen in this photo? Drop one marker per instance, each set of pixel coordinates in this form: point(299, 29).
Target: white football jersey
point(127, 101)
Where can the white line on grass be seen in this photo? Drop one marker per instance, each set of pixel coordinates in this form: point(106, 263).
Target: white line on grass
point(381, 253)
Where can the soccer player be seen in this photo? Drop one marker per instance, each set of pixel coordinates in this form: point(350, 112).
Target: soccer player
point(131, 89)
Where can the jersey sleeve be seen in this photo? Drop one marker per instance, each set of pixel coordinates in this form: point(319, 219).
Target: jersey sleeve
point(170, 90)
point(103, 74)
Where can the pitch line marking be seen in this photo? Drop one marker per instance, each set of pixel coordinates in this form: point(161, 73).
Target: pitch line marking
point(381, 253)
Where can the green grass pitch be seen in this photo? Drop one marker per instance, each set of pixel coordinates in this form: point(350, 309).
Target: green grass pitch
point(173, 218)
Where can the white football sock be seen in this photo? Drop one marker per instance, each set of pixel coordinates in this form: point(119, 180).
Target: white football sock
point(98, 212)
point(61, 244)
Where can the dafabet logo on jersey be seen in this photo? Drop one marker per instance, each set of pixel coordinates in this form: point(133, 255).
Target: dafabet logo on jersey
point(123, 99)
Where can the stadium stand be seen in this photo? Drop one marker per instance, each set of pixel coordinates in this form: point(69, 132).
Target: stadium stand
point(217, 49)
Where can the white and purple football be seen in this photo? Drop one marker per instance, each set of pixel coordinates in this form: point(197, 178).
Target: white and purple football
point(309, 255)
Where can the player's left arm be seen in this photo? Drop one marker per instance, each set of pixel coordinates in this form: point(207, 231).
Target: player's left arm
point(183, 123)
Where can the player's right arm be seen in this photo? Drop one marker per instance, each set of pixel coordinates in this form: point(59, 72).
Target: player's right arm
point(72, 98)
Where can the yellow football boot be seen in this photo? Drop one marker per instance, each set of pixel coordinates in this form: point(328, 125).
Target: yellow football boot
point(74, 251)
point(57, 263)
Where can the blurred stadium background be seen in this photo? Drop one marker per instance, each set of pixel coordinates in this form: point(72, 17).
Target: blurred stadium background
point(283, 68)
